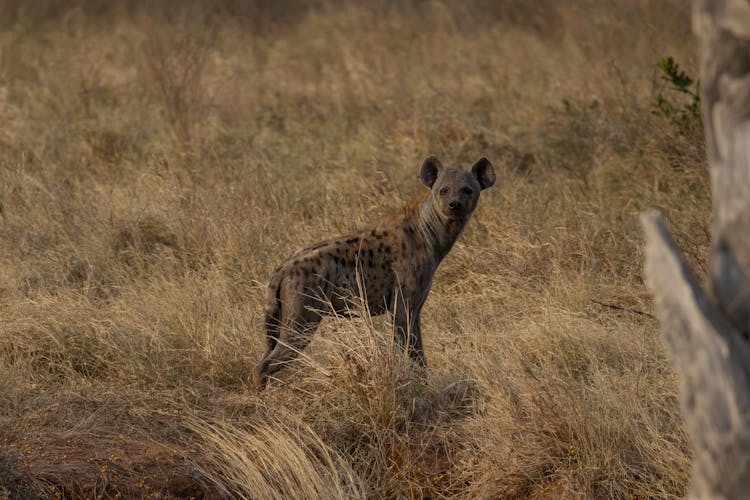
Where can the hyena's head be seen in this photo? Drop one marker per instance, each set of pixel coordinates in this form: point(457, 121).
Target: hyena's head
point(455, 192)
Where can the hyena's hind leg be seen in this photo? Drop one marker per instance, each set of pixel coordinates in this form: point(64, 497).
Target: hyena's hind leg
point(297, 324)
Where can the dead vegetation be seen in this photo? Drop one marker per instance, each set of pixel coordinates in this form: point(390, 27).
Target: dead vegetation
point(156, 167)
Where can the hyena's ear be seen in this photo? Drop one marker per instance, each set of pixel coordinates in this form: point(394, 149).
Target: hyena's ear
point(430, 170)
point(483, 172)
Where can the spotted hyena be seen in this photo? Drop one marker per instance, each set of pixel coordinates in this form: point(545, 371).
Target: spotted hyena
point(390, 266)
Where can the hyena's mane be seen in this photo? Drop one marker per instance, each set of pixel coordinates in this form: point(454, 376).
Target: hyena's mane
point(406, 211)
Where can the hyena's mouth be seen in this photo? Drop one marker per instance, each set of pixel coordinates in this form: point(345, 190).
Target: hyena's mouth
point(456, 215)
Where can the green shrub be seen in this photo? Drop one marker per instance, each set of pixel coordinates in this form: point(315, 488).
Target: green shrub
point(678, 98)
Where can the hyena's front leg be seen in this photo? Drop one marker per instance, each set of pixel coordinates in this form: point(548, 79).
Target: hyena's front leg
point(406, 328)
point(415, 341)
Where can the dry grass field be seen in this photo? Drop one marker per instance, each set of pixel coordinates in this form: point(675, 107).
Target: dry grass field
point(156, 164)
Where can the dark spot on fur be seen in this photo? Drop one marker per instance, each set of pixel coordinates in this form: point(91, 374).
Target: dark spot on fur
point(351, 241)
point(388, 249)
point(335, 259)
point(370, 253)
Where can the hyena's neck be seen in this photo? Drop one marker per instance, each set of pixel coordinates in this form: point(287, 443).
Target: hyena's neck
point(438, 232)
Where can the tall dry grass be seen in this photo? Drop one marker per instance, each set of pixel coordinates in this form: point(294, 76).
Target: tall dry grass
point(157, 163)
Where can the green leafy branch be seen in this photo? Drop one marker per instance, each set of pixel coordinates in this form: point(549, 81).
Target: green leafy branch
point(684, 114)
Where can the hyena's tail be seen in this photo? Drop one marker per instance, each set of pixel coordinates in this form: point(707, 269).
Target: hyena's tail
point(272, 322)
point(273, 310)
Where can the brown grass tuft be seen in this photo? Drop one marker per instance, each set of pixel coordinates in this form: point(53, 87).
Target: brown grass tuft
point(274, 459)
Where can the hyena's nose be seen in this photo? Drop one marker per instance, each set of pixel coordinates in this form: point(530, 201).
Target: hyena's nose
point(454, 205)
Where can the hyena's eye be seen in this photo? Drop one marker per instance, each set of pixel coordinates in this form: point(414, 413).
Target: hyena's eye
point(467, 191)
point(443, 191)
